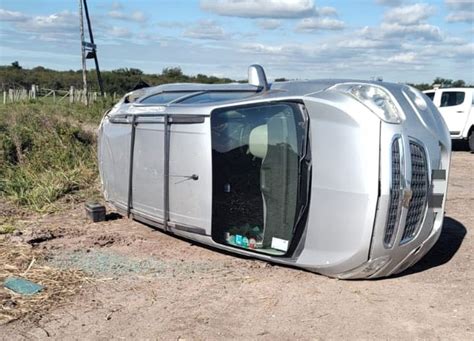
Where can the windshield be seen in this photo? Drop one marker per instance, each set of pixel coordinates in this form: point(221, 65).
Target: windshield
point(256, 162)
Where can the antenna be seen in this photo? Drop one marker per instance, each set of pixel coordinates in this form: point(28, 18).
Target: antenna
point(88, 47)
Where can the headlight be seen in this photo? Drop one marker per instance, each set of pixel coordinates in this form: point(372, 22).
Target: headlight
point(377, 99)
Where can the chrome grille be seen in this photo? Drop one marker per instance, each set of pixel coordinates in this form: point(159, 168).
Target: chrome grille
point(419, 187)
point(394, 195)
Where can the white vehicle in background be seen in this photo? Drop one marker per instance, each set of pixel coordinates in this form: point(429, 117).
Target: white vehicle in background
point(457, 108)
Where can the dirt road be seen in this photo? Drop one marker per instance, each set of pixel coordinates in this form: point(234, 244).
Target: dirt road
point(148, 285)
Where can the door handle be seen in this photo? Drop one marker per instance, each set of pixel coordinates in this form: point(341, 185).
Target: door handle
point(460, 111)
point(186, 177)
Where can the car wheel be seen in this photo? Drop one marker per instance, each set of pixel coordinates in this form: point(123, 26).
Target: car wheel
point(471, 141)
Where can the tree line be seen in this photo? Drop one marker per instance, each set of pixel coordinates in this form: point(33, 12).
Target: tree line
point(120, 80)
point(126, 79)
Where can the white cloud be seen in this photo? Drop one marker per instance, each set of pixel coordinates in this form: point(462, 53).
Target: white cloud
point(423, 31)
point(467, 17)
point(12, 16)
point(260, 8)
point(465, 51)
point(409, 15)
point(63, 21)
point(205, 29)
point(405, 58)
point(461, 11)
point(119, 32)
point(137, 16)
point(363, 43)
point(269, 24)
point(314, 24)
point(461, 5)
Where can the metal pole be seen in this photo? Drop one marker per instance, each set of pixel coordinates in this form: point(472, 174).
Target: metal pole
point(99, 77)
point(83, 51)
point(166, 173)
point(130, 169)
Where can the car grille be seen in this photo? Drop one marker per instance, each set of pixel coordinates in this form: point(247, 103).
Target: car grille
point(394, 194)
point(419, 187)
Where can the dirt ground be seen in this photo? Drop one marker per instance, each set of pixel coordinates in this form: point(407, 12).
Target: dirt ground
point(145, 284)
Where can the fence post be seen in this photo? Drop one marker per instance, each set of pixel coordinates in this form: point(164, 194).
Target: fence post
point(33, 91)
point(71, 94)
point(54, 96)
point(4, 97)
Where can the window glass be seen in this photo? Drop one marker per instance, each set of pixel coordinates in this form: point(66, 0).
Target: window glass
point(209, 97)
point(430, 95)
point(164, 97)
point(452, 98)
point(256, 158)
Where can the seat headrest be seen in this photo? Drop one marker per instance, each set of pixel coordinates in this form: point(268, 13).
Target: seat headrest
point(258, 141)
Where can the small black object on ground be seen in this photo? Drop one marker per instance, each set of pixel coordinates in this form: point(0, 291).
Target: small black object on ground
point(95, 211)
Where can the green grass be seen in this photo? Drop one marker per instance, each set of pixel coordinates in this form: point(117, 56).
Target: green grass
point(47, 152)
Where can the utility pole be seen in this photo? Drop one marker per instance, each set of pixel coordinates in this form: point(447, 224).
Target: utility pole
point(93, 52)
point(83, 51)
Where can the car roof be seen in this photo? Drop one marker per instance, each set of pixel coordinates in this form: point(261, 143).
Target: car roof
point(276, 90)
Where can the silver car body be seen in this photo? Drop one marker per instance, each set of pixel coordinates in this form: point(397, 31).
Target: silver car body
point(373, 191)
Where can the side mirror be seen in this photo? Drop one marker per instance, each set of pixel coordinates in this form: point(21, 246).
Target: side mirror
point(257, 77)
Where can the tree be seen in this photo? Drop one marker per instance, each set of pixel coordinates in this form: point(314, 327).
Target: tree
point(459, 84)
point(16, 65)
point(172, 72)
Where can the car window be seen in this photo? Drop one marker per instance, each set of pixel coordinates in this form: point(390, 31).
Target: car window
point(430, 95)
point(256, 154)
point(217, 96)
point(165, 97)
point(452, 98)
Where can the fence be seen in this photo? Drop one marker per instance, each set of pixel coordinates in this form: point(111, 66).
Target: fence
point(72, 95)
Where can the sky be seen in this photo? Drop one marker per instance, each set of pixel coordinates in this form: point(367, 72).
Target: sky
point(398, 40)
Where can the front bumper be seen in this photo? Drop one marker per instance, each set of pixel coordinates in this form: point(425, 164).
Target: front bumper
point(399, 243)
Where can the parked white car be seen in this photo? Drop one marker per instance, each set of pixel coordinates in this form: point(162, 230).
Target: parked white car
point(456, 105)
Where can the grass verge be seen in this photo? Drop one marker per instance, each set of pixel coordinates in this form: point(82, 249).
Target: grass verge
point(47, 152)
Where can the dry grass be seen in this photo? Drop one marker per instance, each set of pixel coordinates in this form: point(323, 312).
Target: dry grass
point(21, 260)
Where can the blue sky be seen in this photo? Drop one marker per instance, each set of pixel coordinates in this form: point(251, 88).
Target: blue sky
point(400, 40)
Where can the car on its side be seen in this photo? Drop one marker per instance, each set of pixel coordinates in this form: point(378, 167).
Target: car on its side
point(344, 178)
point(456, 105)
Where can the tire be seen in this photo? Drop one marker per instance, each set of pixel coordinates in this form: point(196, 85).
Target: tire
point(470, 139)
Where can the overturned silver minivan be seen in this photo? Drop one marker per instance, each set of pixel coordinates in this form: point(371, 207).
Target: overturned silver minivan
point(344, 178)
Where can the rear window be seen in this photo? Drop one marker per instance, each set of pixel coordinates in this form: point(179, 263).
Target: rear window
point(430, 95)
point(165, 97)
point(209, 97)
point(452, 98)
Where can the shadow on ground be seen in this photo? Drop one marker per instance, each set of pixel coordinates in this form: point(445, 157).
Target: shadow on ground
point(459, 146)
point(448, 244)
point(446, 247)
